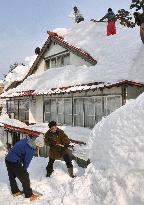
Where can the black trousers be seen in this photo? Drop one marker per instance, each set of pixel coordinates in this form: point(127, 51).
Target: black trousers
point(17, 170)
point(51, 162)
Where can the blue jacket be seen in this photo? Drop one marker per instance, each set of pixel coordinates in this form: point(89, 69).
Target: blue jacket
point(21, 152)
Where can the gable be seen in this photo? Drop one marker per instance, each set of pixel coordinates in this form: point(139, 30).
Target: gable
point(53, 49)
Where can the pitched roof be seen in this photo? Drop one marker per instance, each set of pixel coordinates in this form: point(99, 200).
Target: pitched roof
point(54, 36)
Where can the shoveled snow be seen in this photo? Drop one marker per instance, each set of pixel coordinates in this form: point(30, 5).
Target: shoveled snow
point(119, 57)
point(19, 72)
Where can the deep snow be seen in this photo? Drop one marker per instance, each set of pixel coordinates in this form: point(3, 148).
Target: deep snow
point(115, 176)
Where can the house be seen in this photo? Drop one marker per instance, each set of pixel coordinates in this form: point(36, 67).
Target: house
point(79, 76)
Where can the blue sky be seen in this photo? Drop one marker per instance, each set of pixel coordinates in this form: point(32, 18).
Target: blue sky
point(24, 23)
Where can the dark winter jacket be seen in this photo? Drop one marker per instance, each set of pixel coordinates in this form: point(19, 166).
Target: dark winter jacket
point(53, 139)
point(110, 16)
point(21, 152)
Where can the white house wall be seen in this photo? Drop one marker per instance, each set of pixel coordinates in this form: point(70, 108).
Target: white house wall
point(36, 110)
point(53, 49)
point(32, 114)
point(78, 61)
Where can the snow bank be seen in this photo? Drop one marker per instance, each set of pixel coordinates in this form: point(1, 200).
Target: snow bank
point(116, 147)
point(117, 142)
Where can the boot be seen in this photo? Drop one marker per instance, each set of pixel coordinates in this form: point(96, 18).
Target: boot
point(70, 171)
point(48, 174)
point(34, 197)
point(18, 193)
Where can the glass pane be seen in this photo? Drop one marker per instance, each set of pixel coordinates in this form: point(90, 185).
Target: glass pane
point(98, 108)
point(47, 105)
point(24, 110)
point(113, 102)
point(60, 104)
point(66, 59)
point(78, 112)
point(48, 63)
point(53, 110)
point(16, 109)
point(10, 106)
point(89, 108)
point(47, 117)
point(60, 61)
point(47, 109)
point(53, 63)
point(68, 111)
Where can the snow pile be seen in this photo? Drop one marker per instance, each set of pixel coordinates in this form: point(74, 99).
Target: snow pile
point(4, 119)
point(117, 142)
point(116, 147)
point(18, 73)
point(119, 57)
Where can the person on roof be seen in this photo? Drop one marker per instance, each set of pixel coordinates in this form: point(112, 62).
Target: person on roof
point(59, 144)
point(111, 17)
point(17, 161)
point(78, 16)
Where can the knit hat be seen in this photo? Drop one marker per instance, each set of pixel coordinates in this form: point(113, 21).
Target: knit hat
point(39, 141)
point(52, 124)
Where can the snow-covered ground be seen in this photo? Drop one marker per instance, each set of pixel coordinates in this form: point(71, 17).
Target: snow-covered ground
point(115, 176)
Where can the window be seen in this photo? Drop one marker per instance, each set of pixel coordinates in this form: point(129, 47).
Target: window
point(53, 63)
point(66, 59)
point(58, 60)
point(60, 104)
point(47, 113)
point(111, 103)
point(98, 109)
point(19, 109)
point(50, 110)
point(24, 110)
point(78, 112)
point(59, 110)
point(10, 108)
point(89, 107)
point(68, 111)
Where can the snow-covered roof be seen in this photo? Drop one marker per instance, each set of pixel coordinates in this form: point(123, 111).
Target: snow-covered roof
point(72, 89)
point(17, 126)
point(119, 57)
point(18, 73)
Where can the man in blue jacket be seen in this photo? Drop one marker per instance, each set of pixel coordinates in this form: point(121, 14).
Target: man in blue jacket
point(17, 162)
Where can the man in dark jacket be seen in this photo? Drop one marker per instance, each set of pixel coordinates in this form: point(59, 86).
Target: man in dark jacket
point(58, 142)
point(17, 162)
point(111, 17)
point(78, 16)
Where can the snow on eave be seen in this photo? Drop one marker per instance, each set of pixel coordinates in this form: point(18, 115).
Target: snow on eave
point(76, 88)
point(8, 124)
